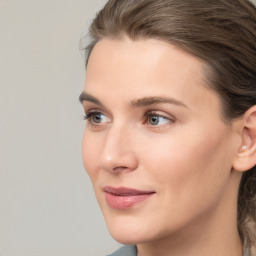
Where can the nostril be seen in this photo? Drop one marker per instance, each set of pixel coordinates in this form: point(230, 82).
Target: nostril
point(120, 168)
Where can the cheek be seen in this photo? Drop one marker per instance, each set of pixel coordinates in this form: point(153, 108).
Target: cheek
point(89, 154)
point(197, 161)
point(188, 174)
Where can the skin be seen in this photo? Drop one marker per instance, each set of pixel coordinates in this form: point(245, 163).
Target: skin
point(186, 159)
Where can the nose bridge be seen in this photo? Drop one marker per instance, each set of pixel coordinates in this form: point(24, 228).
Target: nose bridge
point(118, 149)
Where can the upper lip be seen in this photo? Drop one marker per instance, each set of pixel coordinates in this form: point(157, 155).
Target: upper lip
point(122, 191)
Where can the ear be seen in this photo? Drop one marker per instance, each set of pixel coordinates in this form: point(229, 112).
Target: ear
point(245, 157)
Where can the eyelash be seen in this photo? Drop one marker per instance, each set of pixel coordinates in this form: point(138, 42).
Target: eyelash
point(88, 117)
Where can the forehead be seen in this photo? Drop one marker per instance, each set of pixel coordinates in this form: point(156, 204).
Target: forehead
point(146, 67)
point(142, 52)
point(144, 56)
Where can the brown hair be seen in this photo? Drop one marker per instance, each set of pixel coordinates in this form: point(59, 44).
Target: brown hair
point(223, 34)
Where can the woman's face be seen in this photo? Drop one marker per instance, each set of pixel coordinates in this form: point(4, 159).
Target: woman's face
point(155, 145)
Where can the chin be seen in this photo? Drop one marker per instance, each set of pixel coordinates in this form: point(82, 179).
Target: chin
point(125, 239)
point(128, 237)
point(131, 231)
point(124, 231)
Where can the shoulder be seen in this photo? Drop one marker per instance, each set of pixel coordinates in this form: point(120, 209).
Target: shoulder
point(127, 250)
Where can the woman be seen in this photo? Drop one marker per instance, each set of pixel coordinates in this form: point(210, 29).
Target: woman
point(170, 138)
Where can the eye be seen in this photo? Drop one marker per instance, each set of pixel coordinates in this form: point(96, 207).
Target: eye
point(96, 118)
point(155, 119)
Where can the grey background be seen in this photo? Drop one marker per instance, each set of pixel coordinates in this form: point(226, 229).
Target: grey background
point(47, 205)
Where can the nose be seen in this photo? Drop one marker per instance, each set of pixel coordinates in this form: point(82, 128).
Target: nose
point(118, 153)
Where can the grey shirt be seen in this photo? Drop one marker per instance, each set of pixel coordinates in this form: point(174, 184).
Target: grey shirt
point(127, 250)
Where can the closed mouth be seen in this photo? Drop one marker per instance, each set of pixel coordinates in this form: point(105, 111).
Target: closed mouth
point(122, 198)
point(122, 191)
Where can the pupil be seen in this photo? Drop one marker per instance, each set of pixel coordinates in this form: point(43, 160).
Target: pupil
point(154, 120)
point(97, 118)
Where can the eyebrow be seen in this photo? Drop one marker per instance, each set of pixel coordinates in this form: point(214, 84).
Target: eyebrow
point(148, 101)
point(142, 102)
point(84, 96)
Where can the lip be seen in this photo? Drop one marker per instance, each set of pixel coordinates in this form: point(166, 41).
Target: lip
point(124, 198)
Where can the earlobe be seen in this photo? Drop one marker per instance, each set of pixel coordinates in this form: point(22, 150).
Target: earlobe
point(245, 157)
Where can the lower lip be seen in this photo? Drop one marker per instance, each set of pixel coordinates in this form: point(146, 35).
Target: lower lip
point(125, 202)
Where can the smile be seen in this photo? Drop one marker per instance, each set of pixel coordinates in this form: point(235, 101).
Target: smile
point(125, 198)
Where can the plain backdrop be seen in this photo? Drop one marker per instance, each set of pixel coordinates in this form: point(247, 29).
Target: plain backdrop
point(47, 205)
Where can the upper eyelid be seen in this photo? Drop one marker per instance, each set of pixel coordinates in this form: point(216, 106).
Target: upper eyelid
point(91, 105)
point(147, 112)
point(91, 108)
point(160, 113)
point(90, 111)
